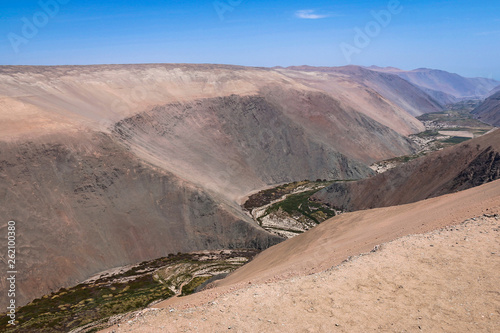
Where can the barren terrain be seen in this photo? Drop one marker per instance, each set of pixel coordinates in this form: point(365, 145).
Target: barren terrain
point(110, 165)
point(79, 205)
point(95, 158)
point(469, 164)
point(489, 110)
point(437, 280)
point(386, 98)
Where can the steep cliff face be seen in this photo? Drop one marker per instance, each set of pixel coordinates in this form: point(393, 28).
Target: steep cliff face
point(237, 144)
point(84, 204)
point(460, 167)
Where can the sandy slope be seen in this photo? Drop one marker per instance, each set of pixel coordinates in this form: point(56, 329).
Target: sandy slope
point(442, 281)
point(41, 99)
point(100, 95)
point(494, 91)
point(353, 233)
point(393, 104)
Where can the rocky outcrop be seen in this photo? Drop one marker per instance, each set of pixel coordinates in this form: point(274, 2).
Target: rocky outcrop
point(483, 169)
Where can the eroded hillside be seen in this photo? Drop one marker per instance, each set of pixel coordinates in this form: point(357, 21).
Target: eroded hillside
point(264, 140)
point(489, 110)
point(84, 204)
point(456, 168)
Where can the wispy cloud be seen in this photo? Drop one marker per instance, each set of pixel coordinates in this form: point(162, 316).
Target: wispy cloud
point(487, 33)
point(310, 14)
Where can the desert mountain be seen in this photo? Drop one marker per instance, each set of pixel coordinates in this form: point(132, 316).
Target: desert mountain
point(96, 158)
point(384, 97)
point(265, 139)
point(390, 86)
point(443, 86)
point(84, 204)
point(494, 91)
point(456, 168)
point(489, 110)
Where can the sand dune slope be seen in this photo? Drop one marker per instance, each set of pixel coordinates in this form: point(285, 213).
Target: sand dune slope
point(353, 233)
point(441, 281)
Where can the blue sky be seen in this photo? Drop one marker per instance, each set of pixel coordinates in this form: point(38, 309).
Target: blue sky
point(458, 36)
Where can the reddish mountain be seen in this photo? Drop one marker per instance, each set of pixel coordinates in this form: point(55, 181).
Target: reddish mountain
point(456, 168)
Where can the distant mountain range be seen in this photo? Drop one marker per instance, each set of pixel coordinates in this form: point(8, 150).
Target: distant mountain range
point(443, 86)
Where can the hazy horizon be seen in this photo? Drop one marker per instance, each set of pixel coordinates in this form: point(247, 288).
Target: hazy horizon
point(223, 64)
point(461, 37)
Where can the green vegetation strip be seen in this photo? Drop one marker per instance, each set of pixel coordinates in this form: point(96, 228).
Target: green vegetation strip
point(455, 140)
point(132, 290)
point(189, 288)
point(299, 203)
point(83, 304)
point(460, 117)
point(265, 197)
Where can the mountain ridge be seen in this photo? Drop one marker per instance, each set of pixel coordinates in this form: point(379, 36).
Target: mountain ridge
point(489, 110)
point(455, 168)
